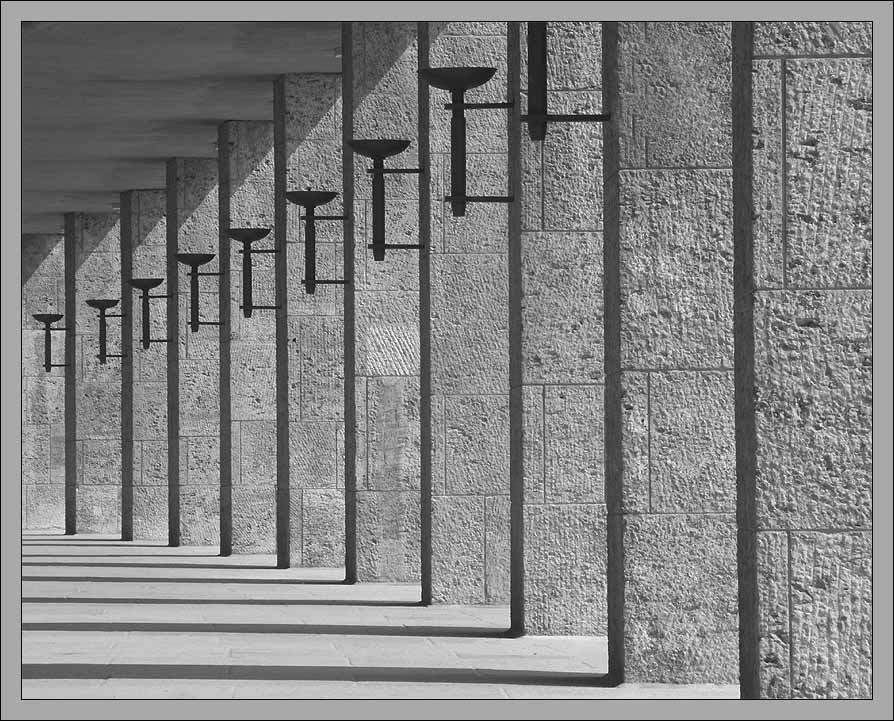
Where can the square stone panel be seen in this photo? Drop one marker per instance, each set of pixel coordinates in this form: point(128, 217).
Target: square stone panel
point(150, 411)
point(813, 409)
point(393, 450)
point(565, 569)
point(458, 567)
point(253, 381)
point(153, 458)
point(150, 513)
point(323, 528)
point(313, 458)
point(35, 453)
point(99, 462)
point(681, 599)
point(469, 324)
point(202, 460)
point(200, 515)
point(562, 310)
point(693, 446)
point(574, 444)
point(321, 366)
point(675, 90)
point(574, 55)
point(313, 108)
point(254, 519)
point(829, 183)
point(832, 615)
point(199, 397)
point(43, 507)
point(43, 400)
point(812, 38)
point(477, 444)
point(388, 536)
point(98, 509)
point(676, 269)
point(257, 453)
point(387, 328)
point(496, 550)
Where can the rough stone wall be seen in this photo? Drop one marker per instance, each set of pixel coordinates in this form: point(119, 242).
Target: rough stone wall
point(307, 108)
point(246, 201)
point(97, 432)
point(192, 226)
point(670, 445)
point(43, 394)
point(812, 237)
point(386, 309)
point(143, 228)
point(469, 332)
point(561, 393)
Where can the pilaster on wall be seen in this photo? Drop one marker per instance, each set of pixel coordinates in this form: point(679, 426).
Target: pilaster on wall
point(557, 409)
point(308, 155)
point(194, 358)
point(669, 438)
point(248, 350)
point(806, 439)
point(469, 332)
point(43, 394)
point(95, 272)
point(386, 302)
point(144, 371)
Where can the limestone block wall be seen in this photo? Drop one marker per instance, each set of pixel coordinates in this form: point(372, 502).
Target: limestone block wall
point(558, 404)
point(384, 59)
point(670, 445)
point(248, 350)
point(308, 155)
point(43, 394)
point(93, 268)
point(144, 372)
point(469, 332)
point(194, 358)
point(812, 358)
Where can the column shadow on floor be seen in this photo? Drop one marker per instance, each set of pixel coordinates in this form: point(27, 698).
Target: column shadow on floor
point(92, 543)
point(122, 555)
point(146, 564)
point(224, 601)
point(270, 628)
point(313, 673)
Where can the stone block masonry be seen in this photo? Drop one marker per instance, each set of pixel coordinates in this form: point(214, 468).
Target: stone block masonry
point(804, 393)
point(93, 421)
point(193, 358)
point(308, 155)
point(43, 394)
point(144, 406)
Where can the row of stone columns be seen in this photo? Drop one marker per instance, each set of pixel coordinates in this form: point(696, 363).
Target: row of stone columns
point(553, 403)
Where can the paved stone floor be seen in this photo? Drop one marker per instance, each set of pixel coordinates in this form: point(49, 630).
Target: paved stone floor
point(103, 618)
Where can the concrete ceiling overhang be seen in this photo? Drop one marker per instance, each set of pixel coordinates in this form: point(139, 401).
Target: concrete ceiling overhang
point(105, 104)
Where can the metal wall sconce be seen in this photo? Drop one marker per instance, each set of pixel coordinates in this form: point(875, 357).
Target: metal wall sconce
point(48, 319)
point(103, 305)
point(247, 236)
point(194, 260)
point(144, 285)
point(457, 81)
point(537, 116)
point(309, 200)
point(378, 150)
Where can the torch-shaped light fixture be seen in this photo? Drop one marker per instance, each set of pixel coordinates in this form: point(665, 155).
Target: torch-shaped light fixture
point(144, 285)
point(194, 260)
point(103, 305)
point(247, 236)
point(48, 319)
point(309, 200)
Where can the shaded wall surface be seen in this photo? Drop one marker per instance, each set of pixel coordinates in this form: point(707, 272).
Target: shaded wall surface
point(812, 358)
point(308, 154)
point(43, 394)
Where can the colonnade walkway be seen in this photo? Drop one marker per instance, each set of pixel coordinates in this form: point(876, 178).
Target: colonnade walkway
point(103, 618)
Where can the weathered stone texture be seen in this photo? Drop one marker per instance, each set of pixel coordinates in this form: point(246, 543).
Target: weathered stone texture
point(99, 507)
point(674, 103)
point(565, 581)
point(477, 444)
point(693, 464)
point(676, 294)
point(774, 621)
point(831, 602)
point(323, 527)
point(150, 511)
point(812, 37)
point(813, 377)
point(200, 515)
point(681, 615)
point(388, 540)
point(458, 566)
point(573, 420)
point(829, 186)
point(392, 438)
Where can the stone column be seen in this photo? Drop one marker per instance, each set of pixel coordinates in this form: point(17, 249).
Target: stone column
point(95, 271)
point(193, 358)
point(556, 343)
point(804, 339)
point(468, 294)
point(669, 438)
point(307, 155)
point(43, 394)
point(144, 405)
point(386, 318)
point(248, 350)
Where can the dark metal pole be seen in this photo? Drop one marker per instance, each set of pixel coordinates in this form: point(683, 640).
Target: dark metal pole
point(102, 335)
point(457, 154)
point(246, 280)
point(310, 252)
point(378, 209)
point(47, 347)
point(145, 300)
point(194, 298)
point(537, 102)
